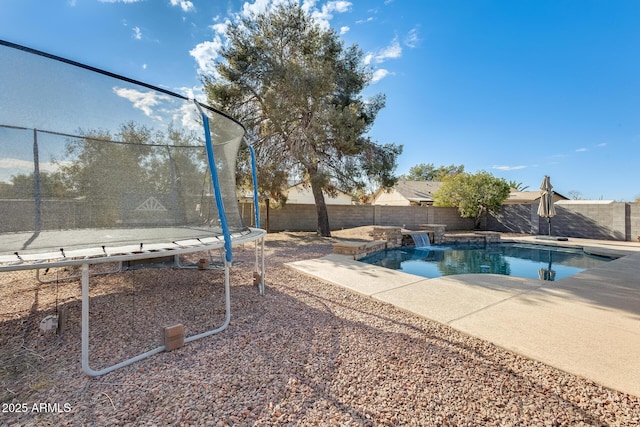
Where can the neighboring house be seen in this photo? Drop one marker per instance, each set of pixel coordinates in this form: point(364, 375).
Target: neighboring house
point(406, 192)
point(301, 194)
point(524, 197)
point(420, 193)
point(585, 202)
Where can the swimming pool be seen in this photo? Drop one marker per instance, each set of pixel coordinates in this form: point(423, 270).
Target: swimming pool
point(510, 259)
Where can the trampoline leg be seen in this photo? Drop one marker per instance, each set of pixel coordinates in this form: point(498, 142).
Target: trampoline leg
point(85, 334)
point(259, 268)
point(262, 266)
point(85, 319)
point(227, 304)
point(85, 325)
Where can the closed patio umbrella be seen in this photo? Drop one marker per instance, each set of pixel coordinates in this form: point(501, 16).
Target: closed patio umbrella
point(546, 209)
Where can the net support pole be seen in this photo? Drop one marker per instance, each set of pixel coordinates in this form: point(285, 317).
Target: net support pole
point(37, 191)
point(259, 268)
point(254, 177)
point(216, 185)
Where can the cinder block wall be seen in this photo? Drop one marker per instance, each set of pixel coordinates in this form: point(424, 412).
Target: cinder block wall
point(590, 221)
point(514, 219)
point(634, 221)
point(295, 217)
point(19, 215)
point(614, 221)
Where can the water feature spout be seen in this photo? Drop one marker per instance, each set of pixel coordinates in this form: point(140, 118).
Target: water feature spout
point(421, 240)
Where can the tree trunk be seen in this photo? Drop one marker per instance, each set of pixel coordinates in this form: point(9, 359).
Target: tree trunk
point(321, 208)
point(478, 219)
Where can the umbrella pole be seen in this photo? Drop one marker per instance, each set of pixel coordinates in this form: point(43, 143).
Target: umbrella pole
point(549, 221)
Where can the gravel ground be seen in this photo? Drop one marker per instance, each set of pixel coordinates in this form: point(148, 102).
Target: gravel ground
point(306, 353)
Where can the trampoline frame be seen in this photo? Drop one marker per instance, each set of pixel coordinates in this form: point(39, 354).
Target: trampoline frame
point(124, 254)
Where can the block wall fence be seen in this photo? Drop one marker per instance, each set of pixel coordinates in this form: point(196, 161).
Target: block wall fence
point(613, 221)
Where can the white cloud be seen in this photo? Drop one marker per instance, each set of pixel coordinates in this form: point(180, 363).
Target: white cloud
point(221, 27)
point(119, 1)
point(259, 6)
point(144, 101)
point(307, 5)
point(344, 30)
point(339, 6)
point(18, 166)
point(189, 117)
point(137, 34)
point(362, 21)
point(205, 53)
point(602, 144)
point(394, 50)
point(508, 168)
point(144, 66)
point(9, 163)
point(194, 92)
point(379, 75)
point(325, 14)
point(185, 5)
point(582, 150)
point(412, 40)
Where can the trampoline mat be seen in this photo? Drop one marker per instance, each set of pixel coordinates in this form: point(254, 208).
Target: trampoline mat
point(25, 243)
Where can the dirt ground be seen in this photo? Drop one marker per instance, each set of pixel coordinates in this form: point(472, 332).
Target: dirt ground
point(305, 353)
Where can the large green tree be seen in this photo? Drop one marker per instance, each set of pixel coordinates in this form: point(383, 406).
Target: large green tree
point(474, 195)
point(22, 186)
point(428, 172)
point(298, 91)
point(105, 169)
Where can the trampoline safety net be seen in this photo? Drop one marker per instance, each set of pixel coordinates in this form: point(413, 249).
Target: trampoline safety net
point(91, 159)
point(98, 168)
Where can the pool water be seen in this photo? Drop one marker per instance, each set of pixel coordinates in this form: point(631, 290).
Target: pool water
point(510, 259)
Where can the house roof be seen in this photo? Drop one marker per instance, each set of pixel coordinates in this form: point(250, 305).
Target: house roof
point(306, 188)
point(422, 191)
point(417, 191)
point(529, 196)
point(303, 186)
point(585, 202)
point(523, 196)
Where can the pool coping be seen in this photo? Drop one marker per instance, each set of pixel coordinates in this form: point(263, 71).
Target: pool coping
point(587, 324)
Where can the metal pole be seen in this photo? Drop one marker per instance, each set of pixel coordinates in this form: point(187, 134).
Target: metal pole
point(36, 183)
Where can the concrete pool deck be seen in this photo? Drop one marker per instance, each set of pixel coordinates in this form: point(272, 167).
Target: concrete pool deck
point(587, 324)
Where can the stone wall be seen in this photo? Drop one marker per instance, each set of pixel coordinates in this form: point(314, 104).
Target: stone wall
point(389, 234)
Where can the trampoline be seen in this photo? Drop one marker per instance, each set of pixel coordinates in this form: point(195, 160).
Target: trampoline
point(97, 168)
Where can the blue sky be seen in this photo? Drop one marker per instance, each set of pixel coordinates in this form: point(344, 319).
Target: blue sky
point(521, 89)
